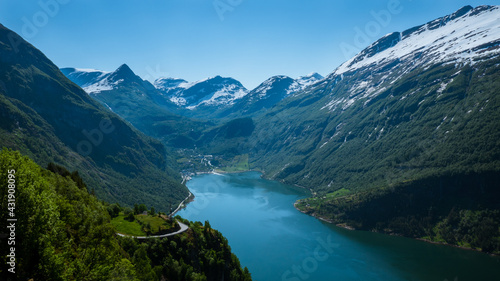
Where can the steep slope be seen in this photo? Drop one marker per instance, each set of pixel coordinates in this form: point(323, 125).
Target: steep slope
point(51, 119)
point(415, 109)
point(418, 101)
point(64, 233)
point(138, 102)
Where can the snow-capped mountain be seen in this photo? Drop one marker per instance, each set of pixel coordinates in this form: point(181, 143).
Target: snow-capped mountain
point(168, 83)
point(270, 92)
point(410, 96)
point(281, 85)
point(464, 37)
point(87, 78)
point(460, 37)
point(96, 81)
point(212, 97)
point(228, 95)
point(304, 81)
point(284, 85)
point(125, 93)
point(215, 91)
point(409, 125)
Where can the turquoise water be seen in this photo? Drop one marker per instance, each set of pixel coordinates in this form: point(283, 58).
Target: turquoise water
point(277, 242)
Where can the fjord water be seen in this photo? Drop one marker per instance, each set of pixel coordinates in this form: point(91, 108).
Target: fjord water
point(277, 242)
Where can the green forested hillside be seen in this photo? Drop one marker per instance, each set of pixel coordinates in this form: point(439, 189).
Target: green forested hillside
point(64, 233)
point(138, 102)
point(409, 130)
point(458, 209)
point(428, 129)
point(51, 119)
point(424, 151)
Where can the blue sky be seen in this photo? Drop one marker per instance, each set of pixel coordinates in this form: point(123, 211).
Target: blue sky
point(249, 40)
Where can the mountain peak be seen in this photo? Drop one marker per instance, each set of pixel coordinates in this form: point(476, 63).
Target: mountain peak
point(124, 73)
point(165, 83)
point(124, 69)
point(464, 35)
point(462, 11)
point(278, 77)
point(313, 75)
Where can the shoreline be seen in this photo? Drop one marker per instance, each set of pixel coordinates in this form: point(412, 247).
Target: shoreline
point(455, 246)
point(233, 172)
point(181, 205)
point(341, 225)
point(190, 198)
point(345, 226)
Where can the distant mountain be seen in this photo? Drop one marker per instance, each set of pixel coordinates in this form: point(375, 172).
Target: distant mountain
point(84, 77)
point(168, 83)
point(269, 93)
point(138, 102)
point(215, 92)
point(226, 98)
point(216, 97)
point(94, 82)
point(307, 80)
point(49, 118)
point(399, 137)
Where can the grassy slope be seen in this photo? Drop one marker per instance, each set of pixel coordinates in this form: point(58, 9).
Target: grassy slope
point(125, 227)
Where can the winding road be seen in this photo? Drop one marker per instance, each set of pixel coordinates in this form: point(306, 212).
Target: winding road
point(180, 205)
point(182, 225)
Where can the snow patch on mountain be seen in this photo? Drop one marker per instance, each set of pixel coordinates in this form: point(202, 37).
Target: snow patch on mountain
point(460, 39)
point(167, 83)
point(102, 85)
point(212, 91)
point(464, 37)
point(225, 96)
point(303, 82)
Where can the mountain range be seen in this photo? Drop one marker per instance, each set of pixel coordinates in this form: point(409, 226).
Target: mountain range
point(218, 97)
point(49, 118)
point(403, 138)
point(419, 87)
point(408, 125)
